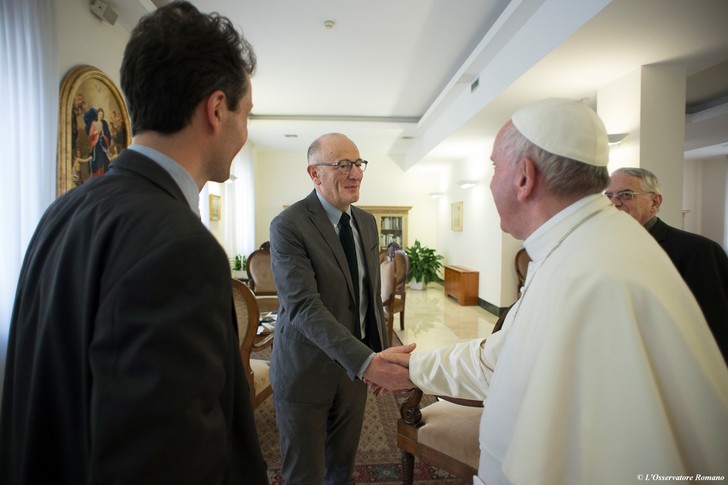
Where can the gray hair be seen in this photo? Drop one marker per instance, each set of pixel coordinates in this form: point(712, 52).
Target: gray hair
point(648, 180)
point(563, 176)
point(314, 150)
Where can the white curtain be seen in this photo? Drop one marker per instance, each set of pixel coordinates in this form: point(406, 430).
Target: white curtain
point(240, 196)
point(236, 229)
point(29, 84)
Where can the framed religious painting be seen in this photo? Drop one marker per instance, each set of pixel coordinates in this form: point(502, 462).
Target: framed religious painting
point(456, 216)
point(93, 127)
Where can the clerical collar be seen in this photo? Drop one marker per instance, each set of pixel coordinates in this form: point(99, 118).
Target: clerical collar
point(332, 212)
point(181, 176)
point(651, 223)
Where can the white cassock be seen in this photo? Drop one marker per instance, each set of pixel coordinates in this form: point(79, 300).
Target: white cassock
point(605, 371)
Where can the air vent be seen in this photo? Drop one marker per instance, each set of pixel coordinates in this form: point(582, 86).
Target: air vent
point(474, 85)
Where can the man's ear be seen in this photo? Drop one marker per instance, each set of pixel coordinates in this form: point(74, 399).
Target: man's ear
point(214, 108)
point(657, 202)
point(313, 173)
point(525, 179)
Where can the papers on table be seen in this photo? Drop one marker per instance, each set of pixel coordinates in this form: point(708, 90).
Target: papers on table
point(267, 322)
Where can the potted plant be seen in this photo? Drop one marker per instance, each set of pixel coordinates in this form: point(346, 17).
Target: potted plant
point(238, 266)
point(424, 265)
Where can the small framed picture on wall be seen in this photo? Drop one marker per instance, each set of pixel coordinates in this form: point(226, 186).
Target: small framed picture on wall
point(215, 207)
point(456, 217)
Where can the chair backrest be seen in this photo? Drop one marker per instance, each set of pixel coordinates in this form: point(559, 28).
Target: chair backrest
point(521, 264)
point(387, 268)
point(247, 315)
point(401, 266)
point(260, 273)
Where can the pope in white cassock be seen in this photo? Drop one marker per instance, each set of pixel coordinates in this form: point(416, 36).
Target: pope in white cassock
point(605, 371)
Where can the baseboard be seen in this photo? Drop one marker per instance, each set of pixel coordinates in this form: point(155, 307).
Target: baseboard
point(489, 307)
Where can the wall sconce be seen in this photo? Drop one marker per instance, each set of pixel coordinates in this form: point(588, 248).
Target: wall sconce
point(435, 195)
point(616, 138)
point(466, 184)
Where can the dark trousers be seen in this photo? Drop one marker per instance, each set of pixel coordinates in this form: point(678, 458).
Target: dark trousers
point(319, 439)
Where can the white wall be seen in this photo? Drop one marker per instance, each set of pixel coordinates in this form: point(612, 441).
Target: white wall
point(481, 245)
point(84, 39)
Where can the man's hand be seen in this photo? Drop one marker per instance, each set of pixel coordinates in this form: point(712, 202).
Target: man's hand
point(396, 355)
point(384, 375)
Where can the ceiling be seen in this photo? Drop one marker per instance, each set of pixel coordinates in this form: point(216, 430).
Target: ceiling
point(398, 77)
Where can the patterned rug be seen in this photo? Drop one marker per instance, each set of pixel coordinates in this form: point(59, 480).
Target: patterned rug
point(378, 458)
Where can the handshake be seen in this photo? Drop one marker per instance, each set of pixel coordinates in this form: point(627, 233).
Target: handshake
point(389, 370)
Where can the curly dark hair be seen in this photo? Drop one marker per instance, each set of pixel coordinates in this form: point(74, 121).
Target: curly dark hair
point(177, 56)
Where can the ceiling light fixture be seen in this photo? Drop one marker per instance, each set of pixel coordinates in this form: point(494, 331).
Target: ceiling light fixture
point(329, 24)
point(616, 138)
point(466, 184)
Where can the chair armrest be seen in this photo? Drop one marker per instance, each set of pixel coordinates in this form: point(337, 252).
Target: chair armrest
point(462, 402)
point(264, 343)
point(409, 410)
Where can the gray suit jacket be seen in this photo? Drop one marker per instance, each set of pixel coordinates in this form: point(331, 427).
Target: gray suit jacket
point(314, 342)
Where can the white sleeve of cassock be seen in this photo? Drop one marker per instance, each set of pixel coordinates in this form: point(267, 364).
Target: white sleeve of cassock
point(463, 370)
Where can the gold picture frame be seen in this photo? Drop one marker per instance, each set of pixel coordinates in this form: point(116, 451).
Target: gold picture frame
point(215, 207)
point(93, 126)
point(456, 216)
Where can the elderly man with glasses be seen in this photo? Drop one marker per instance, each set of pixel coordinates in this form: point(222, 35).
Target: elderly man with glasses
point(702, 262)
point(331, 327)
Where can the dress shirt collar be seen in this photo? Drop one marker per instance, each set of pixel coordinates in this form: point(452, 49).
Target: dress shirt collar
point(181, 177)
point(543, 239)
point(651, 223)
point(332, 212)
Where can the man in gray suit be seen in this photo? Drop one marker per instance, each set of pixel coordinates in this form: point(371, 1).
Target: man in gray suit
point(331, 323)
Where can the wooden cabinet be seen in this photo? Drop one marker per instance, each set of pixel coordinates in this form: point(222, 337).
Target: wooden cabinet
point(462, 284)
point(391, 223)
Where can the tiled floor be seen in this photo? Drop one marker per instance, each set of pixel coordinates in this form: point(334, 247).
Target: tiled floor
point(433, 320)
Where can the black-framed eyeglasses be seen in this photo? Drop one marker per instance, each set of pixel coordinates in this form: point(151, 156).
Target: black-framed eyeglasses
point(345, 165)
point(625, 194)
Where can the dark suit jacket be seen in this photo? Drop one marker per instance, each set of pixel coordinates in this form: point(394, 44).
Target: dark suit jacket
point(123, 362)
point(316, 318)
point(704, 266)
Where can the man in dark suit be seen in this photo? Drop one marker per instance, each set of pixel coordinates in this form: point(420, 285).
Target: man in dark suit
point(702, 263)
point(122, 361)
point(331, 322)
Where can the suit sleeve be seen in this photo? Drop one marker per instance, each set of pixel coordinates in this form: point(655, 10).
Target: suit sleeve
point(161, 360)
point(297, 282)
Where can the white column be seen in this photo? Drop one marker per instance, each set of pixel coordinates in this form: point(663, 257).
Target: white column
point(649, 105)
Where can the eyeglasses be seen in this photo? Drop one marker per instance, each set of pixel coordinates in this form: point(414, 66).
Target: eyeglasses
point(624, 194)
point(345, 165)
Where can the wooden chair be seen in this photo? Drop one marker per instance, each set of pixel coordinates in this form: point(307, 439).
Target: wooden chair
point(521, 264)
point(394, 266)
point(444, 434)
point(256, 370)
point(260, 279)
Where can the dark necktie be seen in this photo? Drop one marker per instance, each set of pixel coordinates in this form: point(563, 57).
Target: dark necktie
point(347, 242)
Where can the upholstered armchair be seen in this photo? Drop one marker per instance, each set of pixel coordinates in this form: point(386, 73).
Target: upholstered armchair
point(521, 264)
point(444, 434)
point(260, 279)
point(394, 266)
point(256, 370)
